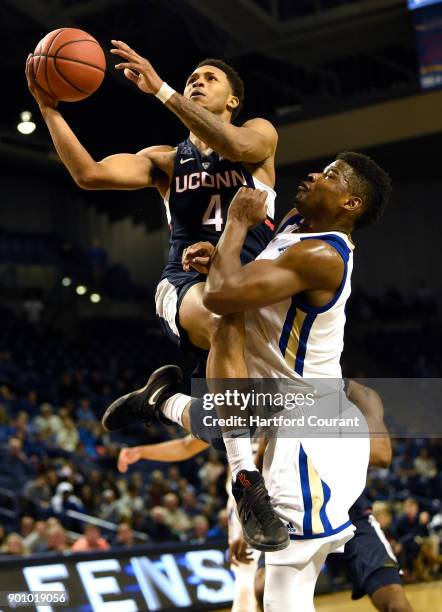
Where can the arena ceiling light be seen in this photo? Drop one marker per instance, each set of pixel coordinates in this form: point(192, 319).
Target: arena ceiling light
point(26, 126)
point(95, 298)
point(66, 281)
point(81, 290)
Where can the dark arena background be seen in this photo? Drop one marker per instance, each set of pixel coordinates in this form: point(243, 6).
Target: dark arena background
point(78, 271)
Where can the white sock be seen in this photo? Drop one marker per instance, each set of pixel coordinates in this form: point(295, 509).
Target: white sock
point(174, 407)
point(239, 453)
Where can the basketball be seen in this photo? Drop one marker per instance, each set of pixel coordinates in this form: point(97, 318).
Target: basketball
point(69, 64)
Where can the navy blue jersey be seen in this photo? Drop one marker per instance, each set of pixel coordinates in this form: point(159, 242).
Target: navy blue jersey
point(200, 193)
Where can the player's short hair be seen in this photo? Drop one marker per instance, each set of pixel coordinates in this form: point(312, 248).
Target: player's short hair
point(371, 183)
point(236, 82)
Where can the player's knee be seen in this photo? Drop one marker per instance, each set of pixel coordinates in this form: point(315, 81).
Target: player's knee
point(392, 599)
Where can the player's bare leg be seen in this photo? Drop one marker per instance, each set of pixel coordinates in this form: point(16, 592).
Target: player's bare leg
point(199, 323)
point(261, 527)
point(391, 598)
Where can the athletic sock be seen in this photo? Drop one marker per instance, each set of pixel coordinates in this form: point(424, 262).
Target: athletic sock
point(174, 406)
point(239, 453)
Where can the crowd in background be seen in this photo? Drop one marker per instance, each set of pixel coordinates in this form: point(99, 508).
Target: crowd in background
point(57, 461)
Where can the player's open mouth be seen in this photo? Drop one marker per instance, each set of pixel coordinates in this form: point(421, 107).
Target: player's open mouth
point(303, 186)
point(196, 94)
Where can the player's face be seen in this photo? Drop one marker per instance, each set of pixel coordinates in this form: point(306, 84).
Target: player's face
point(325, 191)
point(209, 86)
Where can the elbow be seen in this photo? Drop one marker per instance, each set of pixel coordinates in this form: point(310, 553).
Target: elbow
point(87, 179)
point(380, 455)
point(216, 302)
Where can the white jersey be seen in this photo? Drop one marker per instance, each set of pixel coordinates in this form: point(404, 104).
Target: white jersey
point(291, 339)
point(312, 482)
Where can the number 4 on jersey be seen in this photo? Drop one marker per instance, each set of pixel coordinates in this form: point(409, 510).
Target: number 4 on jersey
point(216, 219)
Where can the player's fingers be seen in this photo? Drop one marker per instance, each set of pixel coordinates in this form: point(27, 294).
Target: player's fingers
point(201, 261)
point(121, 44)
point(128, 65)
point(131, 75)
point(262, 195)
point(122, 53)
point(232, 557)
point(122, 463)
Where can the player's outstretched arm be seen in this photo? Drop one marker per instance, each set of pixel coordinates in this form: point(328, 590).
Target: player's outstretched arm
point(307, 266)
point(123, 171)
point(169, 452)
point(253, 142)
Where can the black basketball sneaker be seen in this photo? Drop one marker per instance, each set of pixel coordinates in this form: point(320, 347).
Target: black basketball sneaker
point(262, 529)
point(143, 405)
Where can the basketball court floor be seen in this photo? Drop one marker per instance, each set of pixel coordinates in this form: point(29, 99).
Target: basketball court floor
point(425, 597)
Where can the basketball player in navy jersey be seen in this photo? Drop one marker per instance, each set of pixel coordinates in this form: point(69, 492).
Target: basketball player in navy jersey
point(197, 179)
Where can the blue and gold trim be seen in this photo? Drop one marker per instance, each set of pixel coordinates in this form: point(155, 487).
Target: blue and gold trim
point(294, 336)
point(316, 495)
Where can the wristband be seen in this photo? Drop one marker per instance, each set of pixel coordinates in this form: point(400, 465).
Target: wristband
point(165, 92)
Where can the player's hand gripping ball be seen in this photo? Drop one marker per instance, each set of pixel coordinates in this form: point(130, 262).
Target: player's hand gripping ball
point(68, 64)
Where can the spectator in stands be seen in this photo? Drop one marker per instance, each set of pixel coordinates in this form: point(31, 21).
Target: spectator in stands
point(20, 427)
point(14, 546)
point(212, 470)
point(409, 529)
point(173, 478)
point(85, 413)
point(47, 421)
point(36, 541)
point(110, 509)
point(64, 499)
point(220, 530)
point(29, 403)
point(158, 487)
point(125, 537)
point(90, 540)
point(131, 501)
point(67, 437)
point(175, 517)
point(158, 527)
point(190, 504)
point(15, 468)
point(200, 528)
point(88, 499)
point(424, 465)
point(56, 540)
point(27, 524)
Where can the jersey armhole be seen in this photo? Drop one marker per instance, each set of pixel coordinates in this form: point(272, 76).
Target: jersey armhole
point(344, 251)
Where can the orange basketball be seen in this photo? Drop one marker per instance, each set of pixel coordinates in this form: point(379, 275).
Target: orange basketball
point(69, 64)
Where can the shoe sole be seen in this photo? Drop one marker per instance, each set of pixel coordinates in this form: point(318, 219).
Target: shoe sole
point(266, 547)
point(154, 377)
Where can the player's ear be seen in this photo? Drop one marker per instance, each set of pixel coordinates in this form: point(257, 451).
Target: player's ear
point(353, 203)
point(232, 102)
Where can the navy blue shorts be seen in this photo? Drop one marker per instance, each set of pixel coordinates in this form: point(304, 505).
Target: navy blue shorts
point(370, 558)
point(168, 297)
